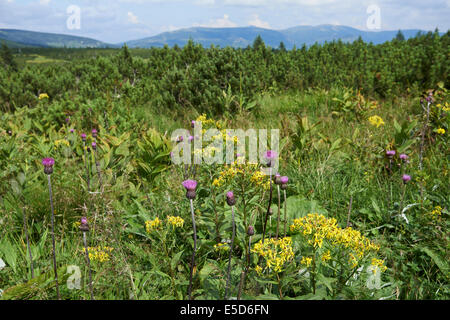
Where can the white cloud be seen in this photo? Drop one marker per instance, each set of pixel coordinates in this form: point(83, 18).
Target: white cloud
point(44, 2)
point(257, 22)
point(132, 18)
point(224, 22)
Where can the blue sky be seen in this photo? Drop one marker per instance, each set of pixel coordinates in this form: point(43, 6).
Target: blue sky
point(115, 21)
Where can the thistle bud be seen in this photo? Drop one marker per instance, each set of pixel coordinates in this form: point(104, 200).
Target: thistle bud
point(231, 201)
point(277, 179)
point(250, 231)
point(190, 186)
point(284, 180)
point(406, 178)
point(48, 165)
point(84, 226)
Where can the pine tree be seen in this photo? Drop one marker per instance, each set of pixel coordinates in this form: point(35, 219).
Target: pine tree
point(258, 43)
point(400, 36)
point(7, 57)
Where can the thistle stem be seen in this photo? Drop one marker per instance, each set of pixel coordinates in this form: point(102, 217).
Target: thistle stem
point(193, 252)
point(88, 260)
point(279, 205)
point(231, 253)
point(53, 236)
point(285, 214)
point(268, 207)
point(86, 167)
point(28, 242)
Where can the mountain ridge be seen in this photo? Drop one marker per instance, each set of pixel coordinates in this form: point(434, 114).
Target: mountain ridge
point(239, 37)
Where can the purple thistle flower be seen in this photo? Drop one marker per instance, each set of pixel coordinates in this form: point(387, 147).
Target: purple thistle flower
point(190, 186)
point(284, 180)
point(84, 220)
point(406, 178)
point(390, 153)
point(72, 130)
point(269, 156)
point(191, 138)
point(94, 133)
point(403, 157)
point(94, 145)
point(180, 139)
point(48, 165)
point(67, 120)
point(192, 123)
point(231, 201)
point(83, 136)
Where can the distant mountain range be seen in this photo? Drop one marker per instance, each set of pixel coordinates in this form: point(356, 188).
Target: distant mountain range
point(239, 37)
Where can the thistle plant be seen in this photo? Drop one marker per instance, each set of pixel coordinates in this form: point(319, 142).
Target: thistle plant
point(190, 186)
point(84, 227)
point(231, 201)
point(48, 170)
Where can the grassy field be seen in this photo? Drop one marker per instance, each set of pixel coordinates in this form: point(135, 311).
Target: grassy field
point(353, 221)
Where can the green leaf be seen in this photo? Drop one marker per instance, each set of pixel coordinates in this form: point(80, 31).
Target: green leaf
point(442, 265)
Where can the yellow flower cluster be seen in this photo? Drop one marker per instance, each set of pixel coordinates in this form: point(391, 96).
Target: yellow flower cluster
point(317, 228)
point(444, 107)
point(246, 170)
point(440, 131)
point(62, 141)
point(436, 213)
point(222, 247)
point(43, 96)
point(378, 263)
point(100, 254)
point(306, 261)
point(151, 225)
point(207, 122)
point(376, 121)
point(276, 253)
point(176, 222)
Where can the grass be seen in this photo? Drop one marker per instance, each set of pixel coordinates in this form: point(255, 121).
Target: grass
point(330, 158)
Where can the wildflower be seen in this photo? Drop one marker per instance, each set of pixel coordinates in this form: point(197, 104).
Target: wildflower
point(378, 263)
point(277, 179)
point(251, 231)
point(390, 154)
point(306, 261)
point(72, 130)
point(100, 254)
point(406, 178)
point(436, 213)
point(151, 225)
point(326, 256)
point(231, 201)
point(284, 180)
point(67, 120)
point(276, 252)
point(84, 224)
point(190, 186)
point(94, 145)
point(440, 131)
point(43, 96)
point(176, 222)
point(83, 136)
point(192, 123)
point(376, 121)
point(94, 133)
point(48, 165)
point(269, 156)
point(222, 247)
point(403, 157)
